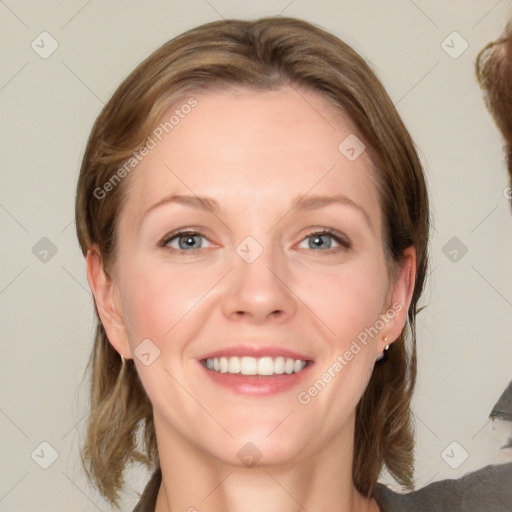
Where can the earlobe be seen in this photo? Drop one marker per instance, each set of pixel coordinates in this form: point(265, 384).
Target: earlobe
point(401, 297)
point(107, 302)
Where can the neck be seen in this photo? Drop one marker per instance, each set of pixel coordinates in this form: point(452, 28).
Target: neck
point(193, 481)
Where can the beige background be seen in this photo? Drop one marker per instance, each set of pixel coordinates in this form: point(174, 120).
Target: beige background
point(48, 106)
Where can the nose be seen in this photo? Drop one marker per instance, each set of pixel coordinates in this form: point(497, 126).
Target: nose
point(260, 291)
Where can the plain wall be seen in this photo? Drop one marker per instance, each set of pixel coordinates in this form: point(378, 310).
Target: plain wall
point(48, 106)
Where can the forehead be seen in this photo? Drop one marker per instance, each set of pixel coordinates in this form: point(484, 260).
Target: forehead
point(243, 146)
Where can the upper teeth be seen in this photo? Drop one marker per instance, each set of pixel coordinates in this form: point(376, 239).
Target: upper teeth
point(255, 366)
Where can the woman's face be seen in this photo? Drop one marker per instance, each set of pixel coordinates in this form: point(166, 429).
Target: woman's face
point(282, 259)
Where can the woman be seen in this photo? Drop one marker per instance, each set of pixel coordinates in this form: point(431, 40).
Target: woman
point(254, 218)
point(494, 73)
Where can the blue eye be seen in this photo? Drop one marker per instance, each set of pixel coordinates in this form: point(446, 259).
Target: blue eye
point(323, 240)
point(187, 241)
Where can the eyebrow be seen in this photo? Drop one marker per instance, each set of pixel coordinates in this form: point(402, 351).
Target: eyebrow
point(196, 202)
point(299, 203)
point(318, 201)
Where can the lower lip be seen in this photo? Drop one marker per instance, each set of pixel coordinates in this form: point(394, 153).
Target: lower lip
point(257, 385)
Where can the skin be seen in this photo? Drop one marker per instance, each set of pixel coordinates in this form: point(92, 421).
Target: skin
point(254, 153)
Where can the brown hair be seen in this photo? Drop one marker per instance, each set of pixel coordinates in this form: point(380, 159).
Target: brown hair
point(494, 73)
point(262, 55)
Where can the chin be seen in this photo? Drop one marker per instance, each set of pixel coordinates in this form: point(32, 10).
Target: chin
point(258, 453)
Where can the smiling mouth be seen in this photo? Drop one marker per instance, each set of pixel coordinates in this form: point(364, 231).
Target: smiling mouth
point(262, 366)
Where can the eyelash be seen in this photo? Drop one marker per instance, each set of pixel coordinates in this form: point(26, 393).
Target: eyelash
point(344, 243)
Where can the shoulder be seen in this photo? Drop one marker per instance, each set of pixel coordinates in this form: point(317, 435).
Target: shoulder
point(489, 488)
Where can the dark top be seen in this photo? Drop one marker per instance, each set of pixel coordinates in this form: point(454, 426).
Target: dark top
point(486, 490)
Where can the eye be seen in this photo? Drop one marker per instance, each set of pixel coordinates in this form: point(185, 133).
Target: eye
point(184, 241)
point(189, 241)
point(323, 240)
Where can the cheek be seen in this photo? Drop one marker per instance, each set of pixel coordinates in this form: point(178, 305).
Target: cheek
point(342, 301)
point(157, 297)
point(349, 303)
point(348, 300)
point(343, 373)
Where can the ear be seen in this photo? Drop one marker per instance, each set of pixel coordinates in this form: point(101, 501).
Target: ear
point(108, 302)
point(400, 299)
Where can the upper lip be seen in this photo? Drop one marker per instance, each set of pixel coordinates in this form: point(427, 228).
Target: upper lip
point(257, 352)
